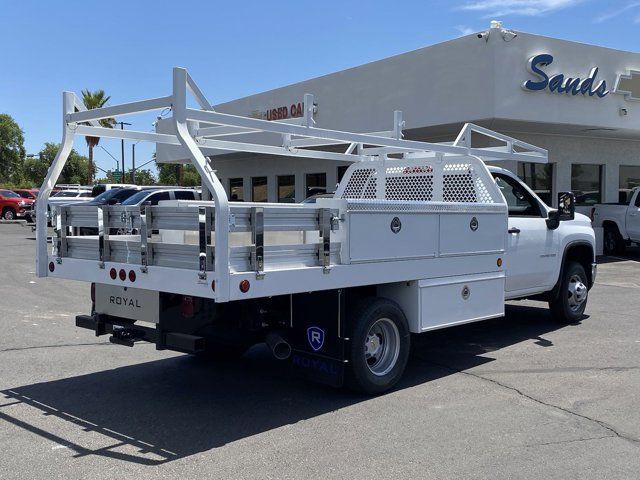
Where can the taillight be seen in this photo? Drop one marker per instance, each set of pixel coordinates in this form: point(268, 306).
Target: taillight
point(113, 273)
point(122, 274)
point(52, 266)
point(187, 307)
point(132, 276)
point(93, 293)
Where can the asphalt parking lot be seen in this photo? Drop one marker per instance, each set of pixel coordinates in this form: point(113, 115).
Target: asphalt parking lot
point(516, 397)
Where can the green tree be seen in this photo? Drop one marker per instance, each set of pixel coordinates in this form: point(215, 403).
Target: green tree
point(75, 170)
point(12, 150)
point(143, 177)
point(93, 100)
point(176, 174)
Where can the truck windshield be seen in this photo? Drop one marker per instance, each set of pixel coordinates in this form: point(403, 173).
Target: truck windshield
point(8, 193)
point(138, 197)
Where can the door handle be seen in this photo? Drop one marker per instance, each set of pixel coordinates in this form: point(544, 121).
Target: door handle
point(514, 230)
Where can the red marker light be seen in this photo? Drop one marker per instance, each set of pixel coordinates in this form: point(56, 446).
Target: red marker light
point(213, 285)
point(244, 286)
point(122, 274)
point(52, 266)
point(132, 276)
point(113, 273)
point(93, 292)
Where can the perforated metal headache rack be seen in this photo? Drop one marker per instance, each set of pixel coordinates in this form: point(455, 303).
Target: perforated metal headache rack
point(238, 239)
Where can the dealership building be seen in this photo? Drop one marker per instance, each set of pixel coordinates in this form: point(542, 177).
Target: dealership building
point(581, 102)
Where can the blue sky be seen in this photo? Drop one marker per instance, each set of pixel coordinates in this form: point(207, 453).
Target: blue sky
point(234, 49)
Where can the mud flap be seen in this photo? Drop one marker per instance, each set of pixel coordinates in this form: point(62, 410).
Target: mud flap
point(317, 336)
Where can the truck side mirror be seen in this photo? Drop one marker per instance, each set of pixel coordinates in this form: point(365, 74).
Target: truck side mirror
point(566, 210)
point(566, 206)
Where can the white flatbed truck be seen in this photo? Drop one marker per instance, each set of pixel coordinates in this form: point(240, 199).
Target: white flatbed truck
point(419, 236)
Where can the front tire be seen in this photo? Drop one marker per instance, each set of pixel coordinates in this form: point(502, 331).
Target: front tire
point(9, 214)
point(613, 243)
point(379, 349)
point(571, 301)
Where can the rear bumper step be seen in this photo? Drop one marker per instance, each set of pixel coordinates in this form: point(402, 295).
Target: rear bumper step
point(124, 333)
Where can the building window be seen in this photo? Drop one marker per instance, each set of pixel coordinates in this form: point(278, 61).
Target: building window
point(259, 189)
point(287, 189)
point(539, 177)
point(586, 183)
point(316, 183)
point(236, 189)
point(629, 179)
point(341, 171)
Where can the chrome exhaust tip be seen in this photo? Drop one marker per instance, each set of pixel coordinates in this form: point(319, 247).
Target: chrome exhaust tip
point(278, 345)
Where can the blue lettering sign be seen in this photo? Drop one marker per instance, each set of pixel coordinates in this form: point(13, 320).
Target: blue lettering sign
point(558, 83)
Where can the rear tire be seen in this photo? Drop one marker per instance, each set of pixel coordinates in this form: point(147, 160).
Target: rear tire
point(379, 349)
point(613, 243)
point(569, 305)
point(9, 214)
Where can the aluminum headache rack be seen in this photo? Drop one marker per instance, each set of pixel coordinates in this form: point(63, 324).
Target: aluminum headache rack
point(198, 248)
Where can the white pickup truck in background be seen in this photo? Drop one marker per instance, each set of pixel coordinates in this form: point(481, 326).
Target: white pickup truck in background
point(620, 222)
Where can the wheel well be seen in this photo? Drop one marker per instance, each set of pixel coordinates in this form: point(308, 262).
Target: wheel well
point(609, 224)
point(7, 208)
point(583, 254)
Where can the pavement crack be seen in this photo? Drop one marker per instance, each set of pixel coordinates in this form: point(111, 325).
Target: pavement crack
point(61, 345)
point(575, 440)
point(602, 424)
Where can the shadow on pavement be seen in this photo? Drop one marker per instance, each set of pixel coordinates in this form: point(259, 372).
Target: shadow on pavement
point(156, 412)
point(630, 253)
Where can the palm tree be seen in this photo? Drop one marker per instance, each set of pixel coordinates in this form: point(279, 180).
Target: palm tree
point(93, 100)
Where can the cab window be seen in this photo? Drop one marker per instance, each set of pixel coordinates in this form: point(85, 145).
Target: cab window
point(184, 195)
point(158, 197)
point(519, 201)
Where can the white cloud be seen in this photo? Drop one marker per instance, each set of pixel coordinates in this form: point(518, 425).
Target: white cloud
point(615, 13)
point(497, 8)
point(464, 30)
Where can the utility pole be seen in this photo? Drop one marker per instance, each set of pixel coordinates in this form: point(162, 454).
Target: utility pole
point(133, 163)
point(122, 124)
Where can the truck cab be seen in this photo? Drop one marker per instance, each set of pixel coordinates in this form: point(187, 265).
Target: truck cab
point(539, 245)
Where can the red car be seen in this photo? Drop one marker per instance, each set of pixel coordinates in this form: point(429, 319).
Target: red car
point(31, 193)
point(13, 206)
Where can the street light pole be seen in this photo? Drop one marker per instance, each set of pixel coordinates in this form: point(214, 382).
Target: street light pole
point(122, 124)
point(133, 163)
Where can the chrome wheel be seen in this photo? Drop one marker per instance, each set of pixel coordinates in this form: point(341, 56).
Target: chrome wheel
point(577, 292)
point(382, 347)
point(9, 214)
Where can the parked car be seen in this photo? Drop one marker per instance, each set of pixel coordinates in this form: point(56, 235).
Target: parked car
point(64, 197)
point(113, 196)
point(153, 196)
point(101, 188)
point(13, 206)
point(30, 193)
point(620, 221)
